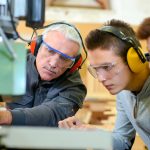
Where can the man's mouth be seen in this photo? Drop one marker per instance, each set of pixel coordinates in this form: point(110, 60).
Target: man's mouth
point(49, 70)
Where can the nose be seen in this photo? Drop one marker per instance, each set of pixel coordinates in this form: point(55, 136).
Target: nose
point(54, 61)
point(101, 75)
point(101, 78)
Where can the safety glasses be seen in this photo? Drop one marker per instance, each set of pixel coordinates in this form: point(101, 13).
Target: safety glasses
point(64, 58)
point(107, 69)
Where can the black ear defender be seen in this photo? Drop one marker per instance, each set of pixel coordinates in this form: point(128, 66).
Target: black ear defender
point(35, 45)
point(135, 57)
point(147, 55)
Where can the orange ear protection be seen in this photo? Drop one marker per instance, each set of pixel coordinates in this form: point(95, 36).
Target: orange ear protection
point(135, 57)
point(35, 45)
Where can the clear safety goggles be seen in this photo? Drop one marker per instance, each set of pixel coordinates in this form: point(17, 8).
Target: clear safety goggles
point(107, 70)
point(65, 60)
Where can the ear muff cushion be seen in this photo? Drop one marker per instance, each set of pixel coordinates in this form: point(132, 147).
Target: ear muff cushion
point(35, 45)
point(134, 62)
point(77, 64)
point(32, 46)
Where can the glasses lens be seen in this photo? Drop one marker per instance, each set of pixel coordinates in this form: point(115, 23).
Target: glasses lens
point(72, 63)
point(105, 69)
point(92, 71)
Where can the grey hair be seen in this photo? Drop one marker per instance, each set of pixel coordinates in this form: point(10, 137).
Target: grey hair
point(68, 31)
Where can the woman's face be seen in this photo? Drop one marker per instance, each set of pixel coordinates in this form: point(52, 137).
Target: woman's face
point(111, 70)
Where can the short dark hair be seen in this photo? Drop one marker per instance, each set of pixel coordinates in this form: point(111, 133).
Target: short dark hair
point(143, 31)
point(97, 38)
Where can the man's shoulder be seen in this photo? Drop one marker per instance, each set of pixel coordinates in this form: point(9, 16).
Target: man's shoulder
point(69, 79)
point(76, 74)
point(30, 57)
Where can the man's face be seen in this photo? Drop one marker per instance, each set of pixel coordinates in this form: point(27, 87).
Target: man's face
point(110, 70)
point(55, 55)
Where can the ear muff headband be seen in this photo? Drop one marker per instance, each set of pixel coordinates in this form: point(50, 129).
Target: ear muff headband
point(35, 44)
point(135, 57)
point(123, 37)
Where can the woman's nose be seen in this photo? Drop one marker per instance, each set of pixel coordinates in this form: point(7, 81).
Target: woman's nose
point(101, 78)
point(101, 74)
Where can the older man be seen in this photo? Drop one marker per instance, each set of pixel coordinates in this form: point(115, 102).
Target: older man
point(54, 88)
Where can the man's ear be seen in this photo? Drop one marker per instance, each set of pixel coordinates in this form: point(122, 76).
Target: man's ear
point(35, 45)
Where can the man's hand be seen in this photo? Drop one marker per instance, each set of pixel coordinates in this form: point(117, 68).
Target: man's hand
point(70, 122)
point(74, 123)
point(5, 117)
